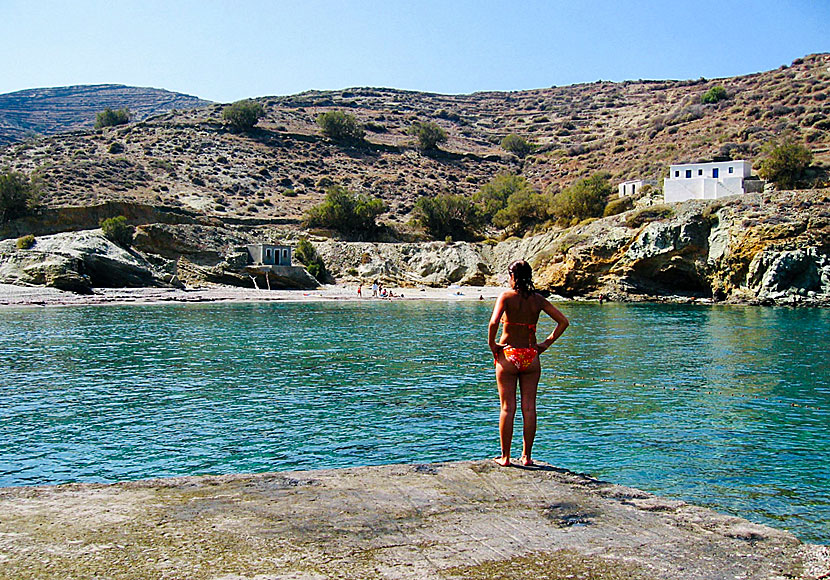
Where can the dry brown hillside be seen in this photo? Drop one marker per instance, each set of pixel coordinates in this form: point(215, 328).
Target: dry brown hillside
point(631, 129)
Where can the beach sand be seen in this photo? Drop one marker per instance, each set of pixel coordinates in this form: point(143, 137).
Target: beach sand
point(23, 296)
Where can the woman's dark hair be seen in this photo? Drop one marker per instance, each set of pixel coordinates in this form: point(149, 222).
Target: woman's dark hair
point(523, 277)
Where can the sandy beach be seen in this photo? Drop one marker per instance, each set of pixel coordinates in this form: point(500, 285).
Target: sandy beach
point(36, 296)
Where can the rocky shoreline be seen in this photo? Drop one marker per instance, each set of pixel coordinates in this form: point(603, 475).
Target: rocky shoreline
point(768, 248)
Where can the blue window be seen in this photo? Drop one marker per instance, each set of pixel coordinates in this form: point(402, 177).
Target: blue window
point(730, 170)
point(700, 172)
point(715, 172)
point(688, 173)
point(677, 174)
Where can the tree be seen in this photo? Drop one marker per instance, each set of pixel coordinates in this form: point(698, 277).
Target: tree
point(714, 95)
point(110, 118)
point(341, 127)
point(785, 162)
point(584, 199)
point(428, 135)
point(18, 195)
point(346, 212)
point(447, 215)
point(117, 230)
point(243, 115)
point(306, 254)
point(493, 196)
point(517, 145)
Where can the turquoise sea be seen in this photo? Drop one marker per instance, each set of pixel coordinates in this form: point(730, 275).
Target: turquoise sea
point(722, 406)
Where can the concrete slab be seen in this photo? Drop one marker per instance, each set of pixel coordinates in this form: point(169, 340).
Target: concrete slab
point(451, 520)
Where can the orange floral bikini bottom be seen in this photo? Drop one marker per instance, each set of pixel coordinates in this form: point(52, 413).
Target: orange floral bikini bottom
point(522, 358)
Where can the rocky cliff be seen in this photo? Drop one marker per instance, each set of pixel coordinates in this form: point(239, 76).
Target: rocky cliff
point(762, 248)
point(771, 248)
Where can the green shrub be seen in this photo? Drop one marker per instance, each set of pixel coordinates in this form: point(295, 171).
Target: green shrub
point(346, 212)
point(619, 205)
point(785, 162)
point(524, 208)
point(428, 135)
point(243, 115)
point(517, 145)
point(341, 127)
point(447, 215)
point(493, 195)
point(18, 195)
point(649, 214)
point(714, 95)
point(584, 199)
point(110, 118)
point(25, 242)
point(118, 231)
point(289, 192)
point(308, 256)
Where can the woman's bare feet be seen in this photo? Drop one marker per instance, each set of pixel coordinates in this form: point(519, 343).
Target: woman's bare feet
point(527, 461)
point(503, 461)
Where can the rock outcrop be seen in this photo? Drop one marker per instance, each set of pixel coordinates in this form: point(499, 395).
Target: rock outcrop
point(162, 255)
point(769, 248)
point(766, 248)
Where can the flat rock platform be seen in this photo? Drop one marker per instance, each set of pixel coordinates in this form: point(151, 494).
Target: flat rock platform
point(442, 521)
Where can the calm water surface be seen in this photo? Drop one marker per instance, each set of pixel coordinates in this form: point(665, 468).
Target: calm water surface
point(689, 402)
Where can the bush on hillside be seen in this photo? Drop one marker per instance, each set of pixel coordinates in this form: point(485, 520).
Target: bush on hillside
point(493, 195)
point(117, 230)
point(524, 208)
point(308, 256)
point(649, 214)
point(517, 145)
point(447, 215)
point(18, 195)
point(243, 115)
point(714, 95)
point(25, 242)
point(785, 162)
point(110, 118)
point(428, 135)
point(341, 127)
point(619, 205)
point(346, 212)
point(584, 199)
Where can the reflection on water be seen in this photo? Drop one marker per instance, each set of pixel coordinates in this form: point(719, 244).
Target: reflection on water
point(688, 402)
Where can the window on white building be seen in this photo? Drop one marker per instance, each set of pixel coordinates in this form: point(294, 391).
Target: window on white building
point(688, 173)
point(714, 172)
point(730, 170)
point(700, 172)
point(677, 174)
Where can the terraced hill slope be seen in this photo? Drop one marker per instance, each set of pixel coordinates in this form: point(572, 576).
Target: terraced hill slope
point(54, 110)
point(635, 129)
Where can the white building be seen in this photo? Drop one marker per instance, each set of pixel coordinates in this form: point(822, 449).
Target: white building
point(708, 180)
point(269, 254)
point(633, 186)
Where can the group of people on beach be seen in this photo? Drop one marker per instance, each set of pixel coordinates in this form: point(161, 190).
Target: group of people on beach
point(378, 291)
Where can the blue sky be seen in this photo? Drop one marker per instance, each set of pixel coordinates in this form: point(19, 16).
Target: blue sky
point(224, 51)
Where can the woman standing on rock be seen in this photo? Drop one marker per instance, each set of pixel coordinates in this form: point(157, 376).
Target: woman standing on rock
point(516, 355)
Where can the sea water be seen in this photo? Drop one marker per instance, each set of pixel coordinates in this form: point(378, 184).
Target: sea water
point(722, 406)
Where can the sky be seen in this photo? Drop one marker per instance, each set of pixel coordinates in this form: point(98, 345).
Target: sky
point(226, 51)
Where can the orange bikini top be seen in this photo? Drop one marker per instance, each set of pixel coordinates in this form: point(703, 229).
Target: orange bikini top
point(530, 327)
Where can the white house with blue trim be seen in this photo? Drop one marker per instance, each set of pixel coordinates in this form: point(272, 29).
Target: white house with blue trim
point(709, 180)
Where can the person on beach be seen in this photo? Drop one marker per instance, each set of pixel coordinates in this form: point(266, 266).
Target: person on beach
point(516, 355)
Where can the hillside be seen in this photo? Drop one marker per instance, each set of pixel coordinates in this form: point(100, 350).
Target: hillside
point(632, 129)
point(49, 111)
